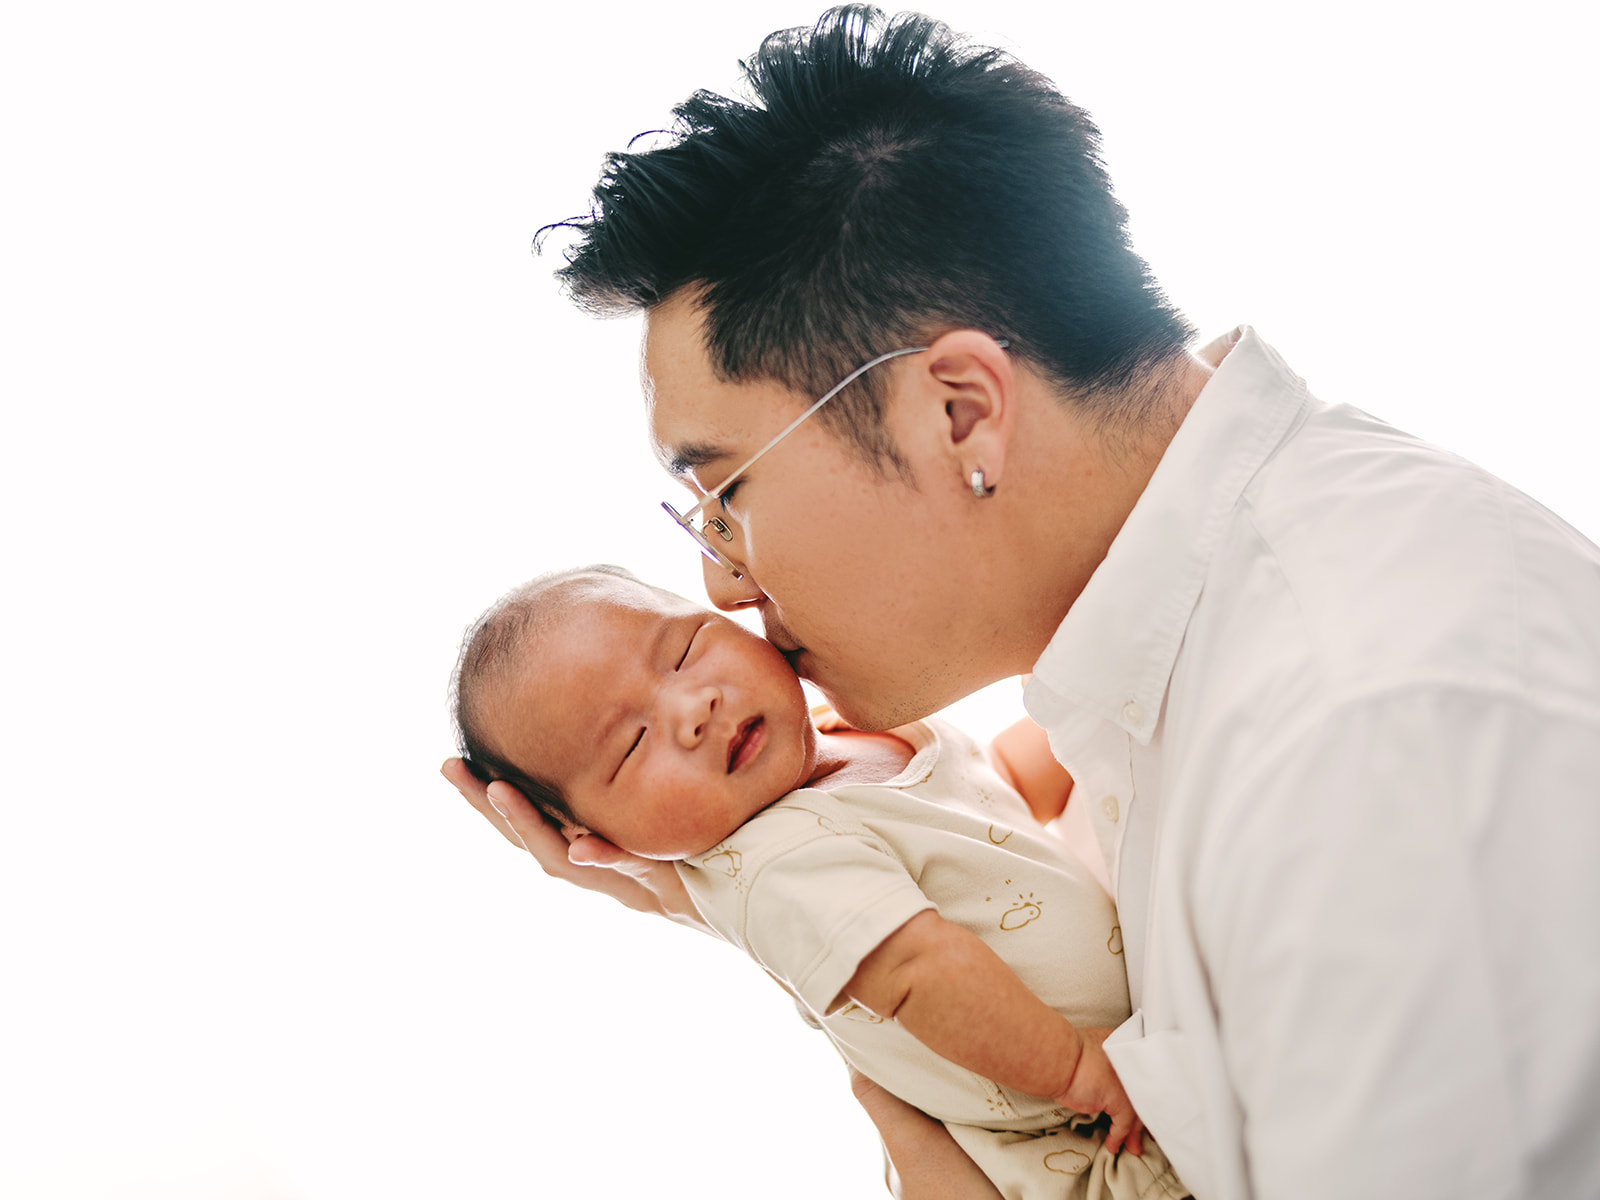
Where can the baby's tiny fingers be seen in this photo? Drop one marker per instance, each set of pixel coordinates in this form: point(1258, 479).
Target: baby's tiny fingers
point(1121, 1127)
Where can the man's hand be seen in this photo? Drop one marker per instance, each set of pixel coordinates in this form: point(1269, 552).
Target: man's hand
point(924, 1162)
point(643, 884)
point(1095, 1088)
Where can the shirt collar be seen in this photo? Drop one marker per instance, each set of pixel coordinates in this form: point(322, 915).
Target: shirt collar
point(1112, 656)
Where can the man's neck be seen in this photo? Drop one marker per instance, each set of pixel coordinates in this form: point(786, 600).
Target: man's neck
point(1081, 483)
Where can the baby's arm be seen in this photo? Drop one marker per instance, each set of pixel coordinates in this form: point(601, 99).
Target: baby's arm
point(957, 997)
point(1021, 754)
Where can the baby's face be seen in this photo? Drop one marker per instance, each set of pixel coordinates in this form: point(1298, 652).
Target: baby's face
point(665, 725)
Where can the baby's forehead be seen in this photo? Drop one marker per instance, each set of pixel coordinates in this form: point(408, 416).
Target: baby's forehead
point(619, 595)
point(601, 617)
point(590, 632)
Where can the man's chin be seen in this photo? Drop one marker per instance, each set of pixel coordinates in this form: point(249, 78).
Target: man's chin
point(869, 714)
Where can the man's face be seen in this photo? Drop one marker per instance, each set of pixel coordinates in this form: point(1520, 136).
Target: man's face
point(666, 726)
point(857, 574)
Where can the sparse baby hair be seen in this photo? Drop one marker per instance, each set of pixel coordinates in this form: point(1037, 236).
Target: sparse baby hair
point(490, 647)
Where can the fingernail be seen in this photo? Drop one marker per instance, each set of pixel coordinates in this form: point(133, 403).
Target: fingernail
point(494, 804)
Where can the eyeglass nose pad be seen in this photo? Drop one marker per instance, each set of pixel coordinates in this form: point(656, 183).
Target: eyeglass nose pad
point(716, 523)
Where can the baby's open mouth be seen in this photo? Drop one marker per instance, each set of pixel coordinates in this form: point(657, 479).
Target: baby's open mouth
point(744, 742)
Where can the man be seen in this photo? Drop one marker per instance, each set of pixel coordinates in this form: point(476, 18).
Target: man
point(1330, 696)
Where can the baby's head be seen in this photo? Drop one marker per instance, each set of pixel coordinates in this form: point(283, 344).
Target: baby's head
point(621, 709)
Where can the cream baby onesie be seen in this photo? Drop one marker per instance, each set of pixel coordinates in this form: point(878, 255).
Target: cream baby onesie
point(813, 883)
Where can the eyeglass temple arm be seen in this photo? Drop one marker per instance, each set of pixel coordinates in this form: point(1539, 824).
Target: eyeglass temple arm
point(794, 424)
point(1003, 343)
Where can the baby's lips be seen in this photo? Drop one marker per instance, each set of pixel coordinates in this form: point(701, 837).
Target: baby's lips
point(741, 735)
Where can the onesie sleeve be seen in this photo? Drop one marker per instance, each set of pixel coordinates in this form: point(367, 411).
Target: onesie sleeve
point(805, 892)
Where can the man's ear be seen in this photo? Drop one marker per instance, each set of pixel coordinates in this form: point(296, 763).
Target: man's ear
point(976, 379)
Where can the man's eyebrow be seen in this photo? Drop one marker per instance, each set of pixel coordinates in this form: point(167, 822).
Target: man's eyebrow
point(685, 458)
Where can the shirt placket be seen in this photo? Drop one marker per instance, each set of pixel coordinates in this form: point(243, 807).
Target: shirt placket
point(1102, 781)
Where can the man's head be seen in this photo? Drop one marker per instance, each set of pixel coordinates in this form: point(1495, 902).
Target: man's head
point(890, 187)
point(623, 710)
point(885, 182)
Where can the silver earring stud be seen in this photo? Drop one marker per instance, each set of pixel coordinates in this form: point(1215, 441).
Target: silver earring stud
point(979, 489)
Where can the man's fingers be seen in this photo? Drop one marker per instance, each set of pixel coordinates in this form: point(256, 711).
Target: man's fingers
point(590, 862)
point(656, 880)
point(528, 826)
point(591, 850)
point(472, 789)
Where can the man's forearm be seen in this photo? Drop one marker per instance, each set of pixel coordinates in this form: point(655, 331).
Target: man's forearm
point(925, 1163)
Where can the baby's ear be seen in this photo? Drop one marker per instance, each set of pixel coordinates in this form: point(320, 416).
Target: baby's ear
point(573, 832)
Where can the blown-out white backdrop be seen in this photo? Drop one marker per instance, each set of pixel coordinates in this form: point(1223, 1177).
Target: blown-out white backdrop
point(288, 400)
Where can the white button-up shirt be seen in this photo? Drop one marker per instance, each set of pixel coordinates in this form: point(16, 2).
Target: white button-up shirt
point(1333, 703)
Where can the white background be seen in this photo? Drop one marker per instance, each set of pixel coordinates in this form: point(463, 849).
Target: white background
point(287, 401)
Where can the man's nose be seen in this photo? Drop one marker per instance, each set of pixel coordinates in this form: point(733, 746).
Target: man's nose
point(727, 592)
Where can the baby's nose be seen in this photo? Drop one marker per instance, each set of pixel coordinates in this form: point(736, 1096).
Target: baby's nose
point(696, 705)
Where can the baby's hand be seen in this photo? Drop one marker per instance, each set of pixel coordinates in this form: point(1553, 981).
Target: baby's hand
point(1095, 1088)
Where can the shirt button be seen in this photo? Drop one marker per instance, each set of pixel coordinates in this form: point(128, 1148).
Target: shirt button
point(1133, 712)
point(1111, 808)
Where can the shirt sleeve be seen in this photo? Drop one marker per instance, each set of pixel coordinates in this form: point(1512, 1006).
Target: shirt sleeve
point(805, 892)
point(824, 906)
point(1394, 915)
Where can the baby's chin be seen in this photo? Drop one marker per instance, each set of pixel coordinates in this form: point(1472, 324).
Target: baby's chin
point(716, 845)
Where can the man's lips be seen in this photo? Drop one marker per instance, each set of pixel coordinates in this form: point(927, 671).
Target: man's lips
point(747, 740)
point(781, 638)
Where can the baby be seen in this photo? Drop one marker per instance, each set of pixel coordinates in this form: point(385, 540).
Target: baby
point(894, 883)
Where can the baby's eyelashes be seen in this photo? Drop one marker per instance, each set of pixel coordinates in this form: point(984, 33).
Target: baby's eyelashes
point(688, 647)
point(626, 754)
